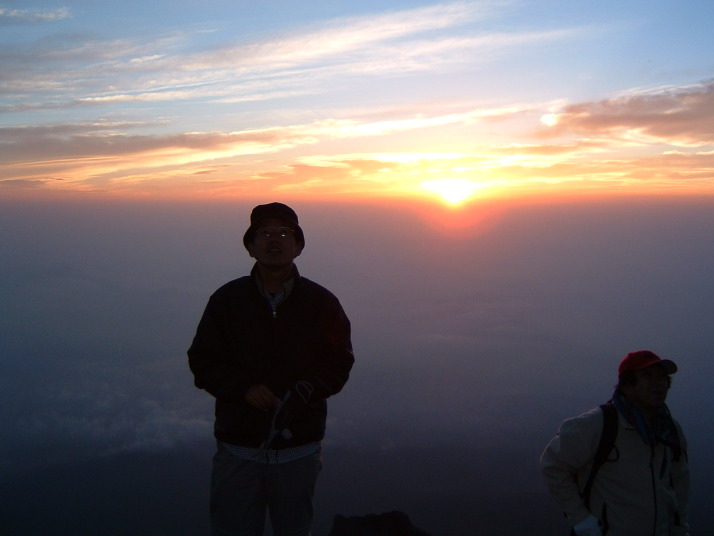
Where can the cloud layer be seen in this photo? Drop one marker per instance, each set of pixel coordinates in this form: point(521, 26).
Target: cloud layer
point(349, 106)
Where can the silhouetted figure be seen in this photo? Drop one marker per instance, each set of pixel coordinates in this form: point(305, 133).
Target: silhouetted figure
point(621, 469)
point(388, 524)
point(270, 347)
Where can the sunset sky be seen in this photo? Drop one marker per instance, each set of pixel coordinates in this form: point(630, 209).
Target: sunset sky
point(458, 100)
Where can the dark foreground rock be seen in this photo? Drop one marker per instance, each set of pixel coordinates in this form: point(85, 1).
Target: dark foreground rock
point(387, 524)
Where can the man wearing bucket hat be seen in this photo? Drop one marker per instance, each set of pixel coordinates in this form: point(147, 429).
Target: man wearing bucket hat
point(621, 469)
point(270, 347)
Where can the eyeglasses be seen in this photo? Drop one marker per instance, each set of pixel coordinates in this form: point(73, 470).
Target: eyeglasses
point(266, 233)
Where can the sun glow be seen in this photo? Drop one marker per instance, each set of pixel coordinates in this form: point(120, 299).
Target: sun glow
point(453, 191)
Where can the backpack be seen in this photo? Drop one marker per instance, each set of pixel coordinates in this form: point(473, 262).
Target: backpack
point(605, 446)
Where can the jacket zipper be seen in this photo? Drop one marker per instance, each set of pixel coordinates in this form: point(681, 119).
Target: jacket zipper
point(654, 490)
point(274, 306)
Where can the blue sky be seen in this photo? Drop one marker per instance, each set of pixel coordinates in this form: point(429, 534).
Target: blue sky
point(355, 100)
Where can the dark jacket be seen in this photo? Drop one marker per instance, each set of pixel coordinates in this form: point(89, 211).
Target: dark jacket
point(241, 342)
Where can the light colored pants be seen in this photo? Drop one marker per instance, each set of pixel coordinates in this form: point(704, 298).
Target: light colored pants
point(242, 491)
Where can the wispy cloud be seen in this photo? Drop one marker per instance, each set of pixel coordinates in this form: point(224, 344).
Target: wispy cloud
point(136, 114)
point(32, 15)
point(90, 72)
point(583, 149)
point(337, 38)
point(83, 151)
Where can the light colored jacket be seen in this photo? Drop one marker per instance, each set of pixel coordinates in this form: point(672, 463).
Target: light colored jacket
point(640, 491)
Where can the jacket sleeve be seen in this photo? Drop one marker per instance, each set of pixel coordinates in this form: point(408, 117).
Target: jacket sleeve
point(209, 361)
point(568, 454)
point(680, 483)
point(330, 372)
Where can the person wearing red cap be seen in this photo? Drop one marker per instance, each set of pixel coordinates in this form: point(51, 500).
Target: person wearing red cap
point(270, 347)
point(634, 479)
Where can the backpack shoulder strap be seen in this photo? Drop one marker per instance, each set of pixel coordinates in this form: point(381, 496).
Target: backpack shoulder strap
point(607, 442)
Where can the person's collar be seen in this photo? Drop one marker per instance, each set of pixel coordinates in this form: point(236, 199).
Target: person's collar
point(288, 284)
point(637, 419)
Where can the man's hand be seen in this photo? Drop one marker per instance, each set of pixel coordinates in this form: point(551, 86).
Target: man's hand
point(261, 397)
point(588, 527)
point(293, 403)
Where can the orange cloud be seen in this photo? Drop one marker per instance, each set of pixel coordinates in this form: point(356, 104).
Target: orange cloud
point(624, 142)
point(681, 116)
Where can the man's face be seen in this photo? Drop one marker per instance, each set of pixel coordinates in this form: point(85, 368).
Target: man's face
point(274, 244)
point(649, 391)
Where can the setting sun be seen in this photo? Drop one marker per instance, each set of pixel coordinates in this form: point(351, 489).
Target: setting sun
point(453, 191)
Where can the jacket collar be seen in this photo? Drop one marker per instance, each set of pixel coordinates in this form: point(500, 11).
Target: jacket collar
point(288, 285)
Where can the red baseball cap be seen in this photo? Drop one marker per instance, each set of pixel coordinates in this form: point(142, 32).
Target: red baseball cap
point(644, 358)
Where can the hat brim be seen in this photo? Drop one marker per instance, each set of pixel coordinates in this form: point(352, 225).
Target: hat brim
point(670, 367)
